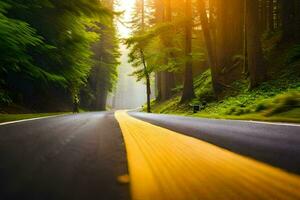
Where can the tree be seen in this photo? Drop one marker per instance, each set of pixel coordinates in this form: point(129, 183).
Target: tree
point(212, 57)
point(188, 86)
point(167, 77)
point(256, 66)
point(287, 19)
point(103, 75)
point(57, 41)
point(297, 21)
point(270, 16)
point(138, 44)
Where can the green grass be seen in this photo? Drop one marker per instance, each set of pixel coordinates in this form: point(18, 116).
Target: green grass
point(15, 117)
point(275, 100)
point(273, 109)
point(291, 116)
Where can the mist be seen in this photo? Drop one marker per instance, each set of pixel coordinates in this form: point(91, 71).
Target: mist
point(129, 94)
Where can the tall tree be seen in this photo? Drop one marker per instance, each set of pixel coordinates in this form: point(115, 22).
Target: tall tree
point(212, 57)
point(159, 18)
point(137, 44)
point(188, 86)
point(297, 21)
point(146, 72)
point(103, 75)
point(257, 70)
point(60, 63)
point(167, 78)
point(287, 8)
point(229, 39)
point(270, 22)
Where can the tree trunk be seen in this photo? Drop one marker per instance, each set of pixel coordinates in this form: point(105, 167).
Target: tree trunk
point(255, 59)
point(271, 16)
point(168, 81)
point(212, 58)
point(245, 52)
point(158, 85)
point(146, 73)
point(287, 19)
point(263, 15)
point(297, 21)
point(159, 17)
point(277, 14)
point(148, 85)
point(188, 87)
point(148, 82)
point(229, 39)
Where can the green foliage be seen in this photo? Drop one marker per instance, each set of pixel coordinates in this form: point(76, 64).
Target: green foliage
point(204, 91)
point(15, 38)
point(138, 44)
point(162, 43)
point(4, 98)
point(277, 97)
point(103, 76)
point(45, 48)
point(282, 103)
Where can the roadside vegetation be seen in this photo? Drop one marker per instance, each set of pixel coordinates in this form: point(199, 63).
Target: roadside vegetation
point(240, 61)
point(234, 59)
point(277, 99)
point(16, 117)
point(54, 53)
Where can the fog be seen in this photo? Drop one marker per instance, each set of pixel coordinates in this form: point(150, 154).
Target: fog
point(129, 94)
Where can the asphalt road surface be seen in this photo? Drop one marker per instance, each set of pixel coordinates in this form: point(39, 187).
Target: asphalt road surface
point(62, 158)
point(273, 143)
point(81, 156)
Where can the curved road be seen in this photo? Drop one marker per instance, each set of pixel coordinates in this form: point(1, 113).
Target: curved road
point(274, 143)
point(81, 156)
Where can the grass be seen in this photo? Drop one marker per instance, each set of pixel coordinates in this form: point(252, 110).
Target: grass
point(291, 116)
point(15, 117)
point(278, 99)
point(284, 107)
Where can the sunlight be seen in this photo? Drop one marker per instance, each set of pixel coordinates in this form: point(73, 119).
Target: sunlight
point(126, 6)
point(127, 86)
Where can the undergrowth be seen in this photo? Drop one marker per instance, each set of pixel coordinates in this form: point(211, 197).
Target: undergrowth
point(279, 96)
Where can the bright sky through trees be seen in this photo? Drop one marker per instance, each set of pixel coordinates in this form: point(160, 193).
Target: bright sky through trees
point(127, 7)
point(129, 93)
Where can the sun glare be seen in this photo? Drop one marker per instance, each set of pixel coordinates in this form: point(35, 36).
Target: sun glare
point(126, 6)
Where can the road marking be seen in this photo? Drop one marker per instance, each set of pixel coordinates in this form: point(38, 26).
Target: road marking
point(25, 120)
point(165, 165)
point(231, 120)
point(269, 123)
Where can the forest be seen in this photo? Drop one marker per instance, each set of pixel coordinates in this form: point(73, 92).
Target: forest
point(56, 52)
point(228, 57)
point(231, 57)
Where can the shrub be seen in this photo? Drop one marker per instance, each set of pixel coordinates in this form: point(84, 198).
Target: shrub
point(261, 106)
point(4, 99)
point(284, 102)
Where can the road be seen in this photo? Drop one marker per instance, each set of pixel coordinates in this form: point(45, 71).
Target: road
point(274, 143)
point(67, 157)
point(81, 157)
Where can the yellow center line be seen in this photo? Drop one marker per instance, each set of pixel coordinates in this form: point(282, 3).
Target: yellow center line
point(165, 165)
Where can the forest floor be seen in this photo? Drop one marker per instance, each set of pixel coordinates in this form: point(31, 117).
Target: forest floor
point(277, 99)
point(292, 115)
